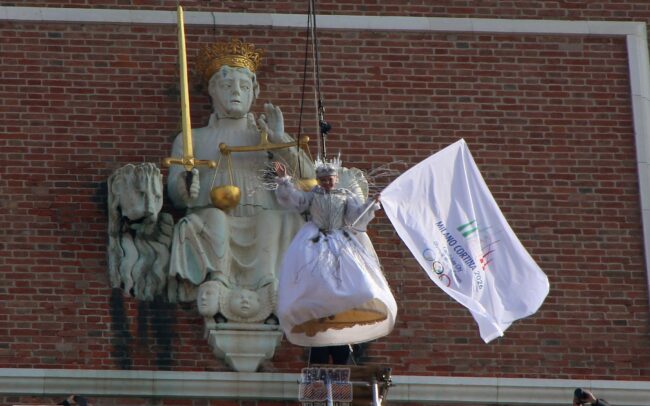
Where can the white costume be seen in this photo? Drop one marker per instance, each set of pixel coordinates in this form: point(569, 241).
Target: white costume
point(331, 288)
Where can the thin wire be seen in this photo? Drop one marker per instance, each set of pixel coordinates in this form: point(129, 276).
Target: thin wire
point(216, 170)
point(232, 182)
point(313, 58)
point(319, 99)
point(354, 361)
point(302, 94)
point(315, 50)
point(214, 24)
point(309, 358)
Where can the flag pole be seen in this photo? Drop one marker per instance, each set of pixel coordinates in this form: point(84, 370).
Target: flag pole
point(365, 211)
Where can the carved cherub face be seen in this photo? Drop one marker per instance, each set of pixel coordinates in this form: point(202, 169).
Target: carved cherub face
point(244, 303)
point(232, 91)
point(207, 299)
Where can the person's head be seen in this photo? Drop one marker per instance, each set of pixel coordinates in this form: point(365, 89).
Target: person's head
point(582, 396)
point(327, 182)
point(233, 91)
point(74, 400)
point(327, 173)
point(207, 299)
point(244, 303)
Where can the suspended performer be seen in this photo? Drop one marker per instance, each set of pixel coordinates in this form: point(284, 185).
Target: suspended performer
point(331, 288)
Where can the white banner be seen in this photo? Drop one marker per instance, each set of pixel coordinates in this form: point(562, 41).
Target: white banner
point(445, 214)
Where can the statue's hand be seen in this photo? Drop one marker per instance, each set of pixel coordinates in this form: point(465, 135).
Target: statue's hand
point(272, 122)
point(195, 186)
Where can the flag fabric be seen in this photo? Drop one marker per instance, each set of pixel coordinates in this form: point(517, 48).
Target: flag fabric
point(443, 211)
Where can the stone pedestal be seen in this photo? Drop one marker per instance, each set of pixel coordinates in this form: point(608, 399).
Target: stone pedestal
point(244, 346)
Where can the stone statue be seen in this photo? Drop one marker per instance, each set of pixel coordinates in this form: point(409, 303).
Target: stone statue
point(245, 305)
point(138, 237)
point(207, 302)
point(240, 248)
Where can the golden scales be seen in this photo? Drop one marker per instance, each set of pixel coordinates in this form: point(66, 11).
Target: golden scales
point(226, 197)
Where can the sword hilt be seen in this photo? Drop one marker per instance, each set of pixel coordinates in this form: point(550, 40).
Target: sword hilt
point(189, 163)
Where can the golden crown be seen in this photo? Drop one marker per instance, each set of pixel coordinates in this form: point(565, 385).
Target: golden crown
point(235, 53)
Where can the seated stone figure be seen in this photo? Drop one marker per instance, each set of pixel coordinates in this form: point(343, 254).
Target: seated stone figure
point(240, 248)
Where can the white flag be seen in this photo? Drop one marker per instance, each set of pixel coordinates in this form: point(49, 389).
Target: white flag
point(445, 214)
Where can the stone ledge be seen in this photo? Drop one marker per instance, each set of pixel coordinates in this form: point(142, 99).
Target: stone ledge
point(284, 387)
point(349, 22)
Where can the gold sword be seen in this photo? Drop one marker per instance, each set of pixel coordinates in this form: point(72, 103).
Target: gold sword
point(188, 160)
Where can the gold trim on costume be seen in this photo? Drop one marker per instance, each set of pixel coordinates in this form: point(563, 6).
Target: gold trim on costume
point(339, 321)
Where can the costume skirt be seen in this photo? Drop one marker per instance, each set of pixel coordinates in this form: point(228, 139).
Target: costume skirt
point(332, 291)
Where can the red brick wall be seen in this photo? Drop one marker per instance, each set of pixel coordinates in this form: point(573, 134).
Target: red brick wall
point(548, 120)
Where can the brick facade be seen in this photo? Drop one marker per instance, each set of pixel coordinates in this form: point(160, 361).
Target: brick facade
point(547, 117)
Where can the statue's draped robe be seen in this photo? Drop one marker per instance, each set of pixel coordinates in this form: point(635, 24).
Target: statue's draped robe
point(241, 247)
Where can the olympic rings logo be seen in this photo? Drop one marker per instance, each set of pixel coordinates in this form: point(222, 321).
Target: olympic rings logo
point(437, 266)
point(429, 255)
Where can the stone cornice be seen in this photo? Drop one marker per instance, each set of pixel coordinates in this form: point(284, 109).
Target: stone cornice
point(284, 387)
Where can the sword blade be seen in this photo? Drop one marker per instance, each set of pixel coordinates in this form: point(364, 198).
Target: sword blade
point(188, 152)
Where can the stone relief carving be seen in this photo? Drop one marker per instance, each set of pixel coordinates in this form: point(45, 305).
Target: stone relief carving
point(208, 301)
point(244, 305)
point(139, 236)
